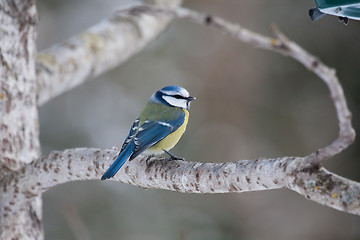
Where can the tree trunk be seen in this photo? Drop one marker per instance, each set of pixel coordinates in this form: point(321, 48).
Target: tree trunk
point(19, 118)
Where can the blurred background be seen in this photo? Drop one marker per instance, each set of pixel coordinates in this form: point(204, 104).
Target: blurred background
point(250, 103)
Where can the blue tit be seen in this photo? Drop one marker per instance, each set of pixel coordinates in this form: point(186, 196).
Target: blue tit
point(158, 128)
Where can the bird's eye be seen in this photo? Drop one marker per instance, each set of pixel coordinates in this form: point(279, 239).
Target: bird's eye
point(178, 96)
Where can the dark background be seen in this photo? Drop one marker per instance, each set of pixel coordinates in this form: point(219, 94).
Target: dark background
point(250, 103)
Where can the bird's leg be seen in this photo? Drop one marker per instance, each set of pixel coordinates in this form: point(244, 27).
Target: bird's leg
point(173, 157)
point(148, 159)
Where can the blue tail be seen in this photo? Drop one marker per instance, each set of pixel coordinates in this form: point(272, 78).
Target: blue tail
point(120, 160)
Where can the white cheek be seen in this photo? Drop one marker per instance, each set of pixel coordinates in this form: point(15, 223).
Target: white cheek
point(176, 102)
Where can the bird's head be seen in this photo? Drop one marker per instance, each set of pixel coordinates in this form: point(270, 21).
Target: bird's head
point(174, 96)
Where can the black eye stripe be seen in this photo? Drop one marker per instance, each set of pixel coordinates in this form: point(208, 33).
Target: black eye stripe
point(178, 97)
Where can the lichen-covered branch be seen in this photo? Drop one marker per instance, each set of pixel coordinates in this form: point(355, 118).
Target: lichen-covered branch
point(96, 50)
point(324, 187)
point(315, 183)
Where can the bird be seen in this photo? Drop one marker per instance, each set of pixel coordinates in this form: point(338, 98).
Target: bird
point(157, 129)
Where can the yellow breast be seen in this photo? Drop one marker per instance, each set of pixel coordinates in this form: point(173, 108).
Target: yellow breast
point(170, 140)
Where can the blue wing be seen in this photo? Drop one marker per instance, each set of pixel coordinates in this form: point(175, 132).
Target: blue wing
point(126, 151)
point(132, 132)
point(152, 132)
point(141, 138)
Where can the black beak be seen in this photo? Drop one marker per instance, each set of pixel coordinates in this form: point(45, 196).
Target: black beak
point(189, 99)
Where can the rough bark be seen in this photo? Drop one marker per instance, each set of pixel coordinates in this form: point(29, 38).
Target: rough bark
point(19, 117)
point(314, 183)
point(20, 218)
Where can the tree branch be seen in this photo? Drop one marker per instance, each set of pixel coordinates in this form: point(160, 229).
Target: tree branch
point(96, 50)
point(315, 183)
point(346, 131)
point(19, 134)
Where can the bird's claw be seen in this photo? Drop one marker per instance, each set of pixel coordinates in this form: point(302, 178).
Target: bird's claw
point(148, 159)
point(173, 157)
